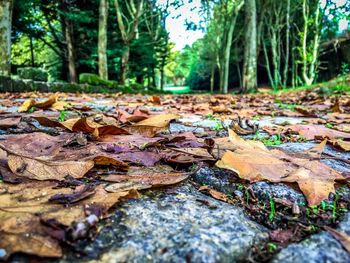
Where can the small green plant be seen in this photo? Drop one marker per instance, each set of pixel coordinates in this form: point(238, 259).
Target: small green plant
point(286, 106)
point(272, 141)
point(102, 109)
point(256, 118)
point(218, 126)
point(329, 125)
point(193, 168)
point(32, 109)
point(334, 208)
point(301, 138)
point(247, 196)
point(271, 247)
point(315, 209)
point(62, 116)
point(240, 187)
point(272, 209)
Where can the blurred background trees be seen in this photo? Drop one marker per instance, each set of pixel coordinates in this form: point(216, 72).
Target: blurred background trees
point(247, 43)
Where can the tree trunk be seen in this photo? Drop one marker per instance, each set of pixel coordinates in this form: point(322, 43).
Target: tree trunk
point(124, 65)
point(154, 84)
point(162, 78)
point(212, 78)
point(5, 37)
point(71, 51)
point(31, 50)
point(102, 40)
point(286, 63)
point(227, 53)
point(310, 65)
point(250, 54)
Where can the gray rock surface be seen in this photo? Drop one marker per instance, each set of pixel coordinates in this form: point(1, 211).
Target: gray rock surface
point(331, 151)
point(219, 179)
point(319, 248)
point(263, 191)
point(222, 180)
point(179, 225)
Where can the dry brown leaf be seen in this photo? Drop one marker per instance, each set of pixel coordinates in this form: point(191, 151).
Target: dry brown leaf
point(60, 105)
point(43, 169)
point(316, 180)
point(340, 144)
point(106, 160)
point(45, 104)
point(215, 194)
point(317, 151)
point(86, 125)
point(9, 122)
point(153, 125)
point(26, 105)
point(148, 177)
point(342, 237)
point(309, 132)
point(26, 213)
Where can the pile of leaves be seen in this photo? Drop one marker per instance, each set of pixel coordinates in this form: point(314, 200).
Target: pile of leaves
point(66, 160)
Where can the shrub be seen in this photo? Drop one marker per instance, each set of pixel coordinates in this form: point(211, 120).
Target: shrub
point(37, 74)
point(94, 80)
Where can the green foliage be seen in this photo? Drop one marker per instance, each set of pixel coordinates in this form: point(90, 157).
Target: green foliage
point(62, 116)
point(272, 209)
point(33, 74)
point(93, 79)
point(268, 141)
point(271, 247)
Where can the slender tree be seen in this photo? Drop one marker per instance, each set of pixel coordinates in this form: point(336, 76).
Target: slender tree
point(68, 25)
point(310, 48)
point(5, 37)
point(228, 37)
point(102, 40)
point(128, 21)
point(250, 53)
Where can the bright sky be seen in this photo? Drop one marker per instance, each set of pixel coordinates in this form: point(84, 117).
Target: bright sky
point(176, 24)
point(190, 11)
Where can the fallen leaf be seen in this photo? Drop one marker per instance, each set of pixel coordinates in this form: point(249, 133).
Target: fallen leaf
point(309, 132)
point(157, 176)
point(9, 122)
point(43, 169)
point(153, 125)
point(317, 151)
point(341, 144)
point(26, 105)
point(342, 237)
point(215, 194)
point(315, 179)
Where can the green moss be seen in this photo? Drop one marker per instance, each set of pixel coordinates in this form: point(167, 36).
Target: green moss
point(33, 74)
point(94, 80)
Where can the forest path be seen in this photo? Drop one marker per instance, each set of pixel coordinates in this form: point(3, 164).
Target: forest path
point(170, 148)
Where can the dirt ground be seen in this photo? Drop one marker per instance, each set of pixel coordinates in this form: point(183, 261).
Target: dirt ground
point(76, 165)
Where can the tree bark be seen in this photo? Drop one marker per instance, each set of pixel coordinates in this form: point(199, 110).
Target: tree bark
point(212, 78)
point(227, 52)
point(309, 69)
point(128, 30)
point(124, 65)
point(31, 51)
point(102, 40)
point(286, 63)
point(71, 51)
point(5, 37)
point(250, 52)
